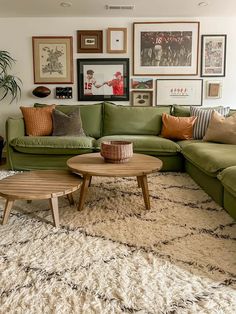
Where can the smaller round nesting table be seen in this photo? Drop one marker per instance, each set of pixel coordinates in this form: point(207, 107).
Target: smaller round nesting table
point(94, 165)
point(42, 184)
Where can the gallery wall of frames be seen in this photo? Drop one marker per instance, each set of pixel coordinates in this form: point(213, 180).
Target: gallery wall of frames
point(170, 63)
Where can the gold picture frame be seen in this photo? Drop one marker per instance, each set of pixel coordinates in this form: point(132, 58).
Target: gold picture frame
point(53, 59)
point(116, 40)
point(213, 89)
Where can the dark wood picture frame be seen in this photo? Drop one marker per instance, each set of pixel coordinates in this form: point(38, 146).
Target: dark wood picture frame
point(89, 41)
point(53, 59)
point(103, 79)
point(154, 54)
point(213, 55)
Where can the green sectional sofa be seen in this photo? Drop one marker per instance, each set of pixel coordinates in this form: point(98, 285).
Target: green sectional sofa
point(205, 162)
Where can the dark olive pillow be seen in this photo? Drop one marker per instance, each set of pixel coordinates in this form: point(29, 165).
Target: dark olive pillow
point(67, 124)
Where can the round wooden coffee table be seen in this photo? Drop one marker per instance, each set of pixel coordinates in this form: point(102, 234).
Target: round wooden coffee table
point(94, 165)
point(42, 184)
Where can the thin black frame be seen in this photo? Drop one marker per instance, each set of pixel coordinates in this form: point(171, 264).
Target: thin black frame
point(102, 61)
point(203, 54)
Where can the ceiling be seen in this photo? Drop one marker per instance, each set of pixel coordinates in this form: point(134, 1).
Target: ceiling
point(96, 8)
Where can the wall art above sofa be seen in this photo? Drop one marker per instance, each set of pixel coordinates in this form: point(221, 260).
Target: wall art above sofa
point(165, 48)
point(103, 79)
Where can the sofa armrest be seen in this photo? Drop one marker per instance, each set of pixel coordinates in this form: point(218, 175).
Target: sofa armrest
point(15, 127)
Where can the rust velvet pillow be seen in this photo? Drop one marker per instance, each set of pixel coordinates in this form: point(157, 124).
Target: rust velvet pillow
point(38, 121)
point(177, 128)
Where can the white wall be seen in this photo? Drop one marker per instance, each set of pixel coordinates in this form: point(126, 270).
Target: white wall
point(16, 37)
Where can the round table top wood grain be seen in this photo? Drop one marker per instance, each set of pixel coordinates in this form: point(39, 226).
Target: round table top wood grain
point(42, 184)
point(94, 165)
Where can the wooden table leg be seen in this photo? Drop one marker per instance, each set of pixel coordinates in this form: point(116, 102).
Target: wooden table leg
point(55, 212)
point(144, 186)
point(83, 191)
point(70, 199)
point(139, 182)
point(7, 210)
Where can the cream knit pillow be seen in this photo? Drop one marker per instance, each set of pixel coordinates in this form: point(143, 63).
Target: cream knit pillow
point(221, 129)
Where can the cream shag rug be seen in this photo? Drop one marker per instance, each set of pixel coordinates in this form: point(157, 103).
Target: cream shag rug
point(116, 257)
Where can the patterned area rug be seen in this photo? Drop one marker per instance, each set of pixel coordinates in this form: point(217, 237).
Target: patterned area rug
point(116, 257)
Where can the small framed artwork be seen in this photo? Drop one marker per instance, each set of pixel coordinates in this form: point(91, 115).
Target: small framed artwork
point(179, 92)
point(142, 98)
point(117, 40)
point(89, 41)
point(53, 60)
point(213, 56)
point(165, 48)
point(213, 89)
point(141, 83)
point(103, 79)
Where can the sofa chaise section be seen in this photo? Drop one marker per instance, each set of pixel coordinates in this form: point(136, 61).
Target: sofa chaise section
point(228, 180)
point(204, 161)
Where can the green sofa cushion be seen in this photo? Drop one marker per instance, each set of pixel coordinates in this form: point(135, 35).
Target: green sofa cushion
point(149, 144)
point(184, 143)
point(52, 144)
point(228, 179)
point(91, 116)
point(210, 157)
point(181, 111)
point(129, 120)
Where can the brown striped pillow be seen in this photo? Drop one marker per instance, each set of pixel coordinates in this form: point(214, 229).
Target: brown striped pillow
point(203, 119)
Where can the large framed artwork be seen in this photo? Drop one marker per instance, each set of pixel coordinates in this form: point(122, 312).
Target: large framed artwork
point(103, 79)
point(165, 48)
point(179, 92)
point(53, 60)
point(213, 55)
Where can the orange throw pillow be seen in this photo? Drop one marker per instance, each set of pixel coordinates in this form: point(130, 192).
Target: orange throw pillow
point(38, 121)
point(177, 128)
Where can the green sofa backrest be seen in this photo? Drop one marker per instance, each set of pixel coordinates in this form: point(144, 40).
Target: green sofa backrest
point(184, 111)
point(118, 120)
point(91, 116)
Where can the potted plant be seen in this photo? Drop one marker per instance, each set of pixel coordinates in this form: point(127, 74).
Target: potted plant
point(9, 84)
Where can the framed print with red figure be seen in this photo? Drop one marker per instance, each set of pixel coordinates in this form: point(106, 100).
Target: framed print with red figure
point(165, 48)
point(103, 79)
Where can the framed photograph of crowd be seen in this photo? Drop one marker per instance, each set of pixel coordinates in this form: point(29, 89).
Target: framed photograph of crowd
point(213, 56)
point(165, 48)
point(103, 79)
point(179, 92)
point(53, 59)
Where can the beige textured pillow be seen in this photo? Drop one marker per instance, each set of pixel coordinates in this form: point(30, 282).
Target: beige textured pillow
point(221, 129)
point(38, 121)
